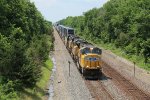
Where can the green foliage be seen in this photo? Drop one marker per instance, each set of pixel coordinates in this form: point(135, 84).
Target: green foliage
point(7, 91)
point(146, 50)
point(124, 23)
point(39, 49)
point(25, 42)
point(38, 92)
point(130, 49)
point(5, 59)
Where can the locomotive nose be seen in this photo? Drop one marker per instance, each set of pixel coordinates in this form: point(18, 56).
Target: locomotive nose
point(92, 62)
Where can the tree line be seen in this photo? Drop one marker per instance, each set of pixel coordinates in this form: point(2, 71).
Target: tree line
point(25, 42)
point(124, 23)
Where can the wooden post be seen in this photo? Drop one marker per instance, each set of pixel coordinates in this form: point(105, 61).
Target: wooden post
point(69, 67)
point(134, 68)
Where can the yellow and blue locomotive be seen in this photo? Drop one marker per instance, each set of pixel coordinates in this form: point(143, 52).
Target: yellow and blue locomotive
point(86, 56)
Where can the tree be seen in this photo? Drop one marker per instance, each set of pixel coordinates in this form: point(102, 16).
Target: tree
point(23, 37)
point(124, 23)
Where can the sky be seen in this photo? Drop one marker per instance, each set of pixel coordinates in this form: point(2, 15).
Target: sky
point(55, 10)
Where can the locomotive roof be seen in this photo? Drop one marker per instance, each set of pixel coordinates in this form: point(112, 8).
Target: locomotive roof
point(87, 45)
point(69, 28)
point(83, 43)
point(61, 26)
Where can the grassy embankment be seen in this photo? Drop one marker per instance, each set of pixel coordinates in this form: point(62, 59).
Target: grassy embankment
point(38, 92)
point(139, 60)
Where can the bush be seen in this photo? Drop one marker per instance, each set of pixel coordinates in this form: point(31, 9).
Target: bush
point(7, 91)
point(130, 49)
point(37, 54)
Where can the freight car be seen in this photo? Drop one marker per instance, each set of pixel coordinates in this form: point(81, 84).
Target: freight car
point(65, 32)
point(86, 56)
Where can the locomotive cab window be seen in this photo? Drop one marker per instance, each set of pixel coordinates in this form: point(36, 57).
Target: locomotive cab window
point(85, 50)
point(97, 51)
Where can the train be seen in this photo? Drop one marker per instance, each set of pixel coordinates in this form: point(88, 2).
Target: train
point(86, 56)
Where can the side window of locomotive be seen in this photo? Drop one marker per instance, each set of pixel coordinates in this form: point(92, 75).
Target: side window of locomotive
point(65, 31)
point(83, 51)
point(86, 50)
point(97, 51)
point(68, 38)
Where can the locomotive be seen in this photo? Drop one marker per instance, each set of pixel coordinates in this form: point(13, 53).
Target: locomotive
point(86, 56)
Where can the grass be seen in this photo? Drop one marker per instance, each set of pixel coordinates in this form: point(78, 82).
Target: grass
point(139, 60)
point(38, 92)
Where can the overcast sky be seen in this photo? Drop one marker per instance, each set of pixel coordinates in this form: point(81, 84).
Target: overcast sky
point(55, 10)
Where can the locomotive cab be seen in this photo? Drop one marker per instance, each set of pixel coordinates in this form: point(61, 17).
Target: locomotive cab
point(90, 61)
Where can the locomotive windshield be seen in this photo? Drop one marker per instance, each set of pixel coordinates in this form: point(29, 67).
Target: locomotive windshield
point(70, 31)
point(97, 51)
point(85, 51)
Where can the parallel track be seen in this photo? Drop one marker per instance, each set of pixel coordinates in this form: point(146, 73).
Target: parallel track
point(98, 90)
point(125, 84)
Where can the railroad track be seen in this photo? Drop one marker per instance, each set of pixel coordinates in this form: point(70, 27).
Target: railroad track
point(125, 84)
point(98, 90)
